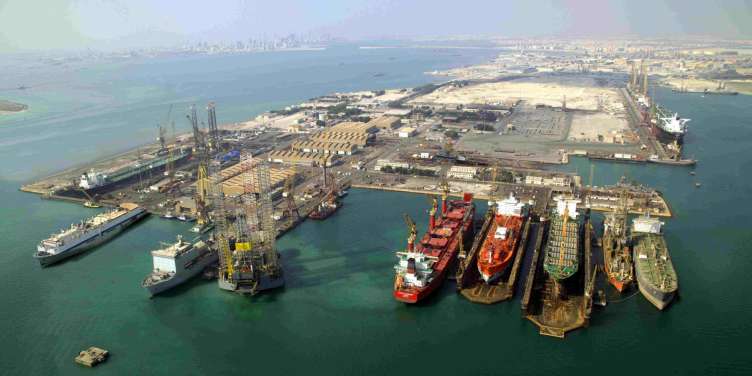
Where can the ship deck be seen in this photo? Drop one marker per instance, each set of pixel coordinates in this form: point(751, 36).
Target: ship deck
point(469, 283)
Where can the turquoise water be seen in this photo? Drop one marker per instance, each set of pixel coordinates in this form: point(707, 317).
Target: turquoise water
point(336, 314)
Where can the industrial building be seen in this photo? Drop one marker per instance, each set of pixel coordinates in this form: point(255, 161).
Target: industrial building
point(462, 172)
point(358, 134)
point(324, 147)
point(406, 132)
point(302, 158)
point(385, 123)
point(235, 186)
point(381, 163)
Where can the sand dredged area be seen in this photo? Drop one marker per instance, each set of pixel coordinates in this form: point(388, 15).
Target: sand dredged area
point(553, 94)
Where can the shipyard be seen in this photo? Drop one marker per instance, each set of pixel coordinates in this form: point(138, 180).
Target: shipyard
point(497, 140)
point(374, 188)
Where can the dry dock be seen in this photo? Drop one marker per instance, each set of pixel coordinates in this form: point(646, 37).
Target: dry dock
point(469, 283)
point(542, 304)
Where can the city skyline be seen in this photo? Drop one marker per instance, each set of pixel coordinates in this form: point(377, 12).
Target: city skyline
point(84, 24)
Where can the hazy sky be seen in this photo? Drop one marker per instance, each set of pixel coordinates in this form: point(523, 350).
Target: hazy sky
point(63, 24)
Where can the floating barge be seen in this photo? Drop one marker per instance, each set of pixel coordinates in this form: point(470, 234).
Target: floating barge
point(92, 356)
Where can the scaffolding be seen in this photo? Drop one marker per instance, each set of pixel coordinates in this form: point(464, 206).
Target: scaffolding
point(248, 255)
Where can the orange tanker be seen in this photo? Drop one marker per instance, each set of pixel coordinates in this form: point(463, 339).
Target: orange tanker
point(501, 242)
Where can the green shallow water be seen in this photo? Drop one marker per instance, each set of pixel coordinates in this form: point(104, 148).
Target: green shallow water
point(336, 314)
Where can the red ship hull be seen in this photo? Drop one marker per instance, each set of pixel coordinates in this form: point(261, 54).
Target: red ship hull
point(496, 254)
point(442, 245)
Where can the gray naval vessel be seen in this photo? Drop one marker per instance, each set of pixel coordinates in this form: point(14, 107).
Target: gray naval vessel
point(176, 263)
point(87, 234)
point(655, 272)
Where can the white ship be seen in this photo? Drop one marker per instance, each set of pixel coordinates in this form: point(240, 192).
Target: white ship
point(672, 128)
point(177, 263)
point(87, 234)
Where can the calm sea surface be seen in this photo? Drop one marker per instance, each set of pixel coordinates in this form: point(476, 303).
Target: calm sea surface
point(336, 314)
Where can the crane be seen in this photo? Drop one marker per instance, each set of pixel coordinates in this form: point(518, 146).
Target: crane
point(202, 194)
point(292, 209)
point(92, 203)
point(444, 186)
point(213, 131)
point(412, 231)
point(198, 137)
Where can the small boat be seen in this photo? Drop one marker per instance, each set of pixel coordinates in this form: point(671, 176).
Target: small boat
point(692, 173)
point(92, 204)
point(168, 215)
point(698, 185)
point(201, 228)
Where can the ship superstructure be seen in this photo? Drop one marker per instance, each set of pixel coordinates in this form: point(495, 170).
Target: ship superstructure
point(176, 263)
point(421, 267)
point(87, 234)
point(503, 237)
point(655, 272)
point(671, 128)
point(562, 251)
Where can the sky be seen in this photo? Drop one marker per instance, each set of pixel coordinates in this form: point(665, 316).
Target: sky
point(102, 24)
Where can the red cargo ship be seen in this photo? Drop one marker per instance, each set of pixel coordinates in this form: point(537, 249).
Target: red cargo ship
point(501, 242)
point(422, 267)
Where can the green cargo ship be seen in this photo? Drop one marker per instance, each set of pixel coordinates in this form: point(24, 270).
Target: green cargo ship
point(656, 276)
point(562, 251)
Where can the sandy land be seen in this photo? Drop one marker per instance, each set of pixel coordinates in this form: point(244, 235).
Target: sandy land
point(588, 127)
point(543, 93)
point(281, 123)
point(8, 107)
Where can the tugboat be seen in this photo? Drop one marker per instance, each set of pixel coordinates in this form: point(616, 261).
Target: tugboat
point(325, 209)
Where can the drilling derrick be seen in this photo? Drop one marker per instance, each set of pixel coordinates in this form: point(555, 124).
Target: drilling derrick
point(252, 265)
